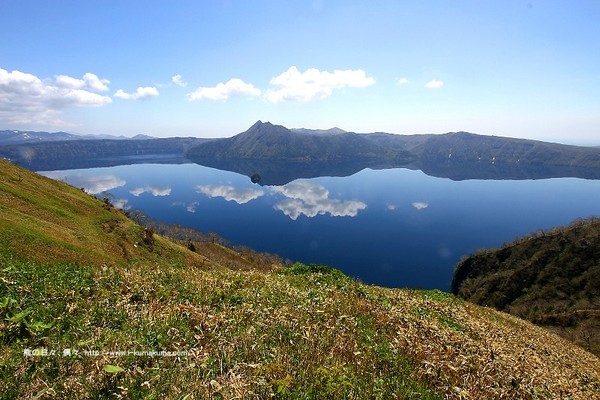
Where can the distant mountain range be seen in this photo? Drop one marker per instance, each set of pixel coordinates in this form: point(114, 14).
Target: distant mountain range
point(273, 154)
point(332, 131)
point(20, 137)
point(265, 141)
point(456, 155)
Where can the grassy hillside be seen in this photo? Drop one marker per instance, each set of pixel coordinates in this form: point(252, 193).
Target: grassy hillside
point(46, 222)
point(551, 278)
point(87, 296)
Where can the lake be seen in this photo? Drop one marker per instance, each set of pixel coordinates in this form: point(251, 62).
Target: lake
point(391, 227)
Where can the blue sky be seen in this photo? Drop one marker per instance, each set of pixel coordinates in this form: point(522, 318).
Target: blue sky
point(212, 68)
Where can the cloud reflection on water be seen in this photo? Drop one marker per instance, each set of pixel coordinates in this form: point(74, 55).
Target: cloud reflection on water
point(154, 190)
point(122, 204)
point(92, 184)
point(191, 207)
point(420, 205)
point(311, 199)
point(230, 193)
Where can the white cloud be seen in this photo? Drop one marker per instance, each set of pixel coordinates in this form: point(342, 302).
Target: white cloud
point(403, 81)
point(152, 189)
point(230, 193)
point(91, 184)
point(434, 84)
point(420, 205)
point(69, 82)
point(94, 83)
point(313, 84)
point(178, 80)
point(223, 91)
point(141, 93)
point(89, 81)
point(291, 85)
point(311, 199)
point(27, 99)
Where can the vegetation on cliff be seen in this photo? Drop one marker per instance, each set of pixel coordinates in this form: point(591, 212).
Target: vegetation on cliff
point(551, 278)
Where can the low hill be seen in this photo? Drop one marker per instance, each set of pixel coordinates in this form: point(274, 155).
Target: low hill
point(22, 137)
point(53, 155)
point(93, 305)
point(551, 278)
point(493, 157)
point(18, 137)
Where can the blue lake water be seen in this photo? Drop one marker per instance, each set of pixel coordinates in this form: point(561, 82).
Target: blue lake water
point(395, 227)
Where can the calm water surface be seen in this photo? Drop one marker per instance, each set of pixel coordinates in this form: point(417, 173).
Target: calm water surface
point(396, 228)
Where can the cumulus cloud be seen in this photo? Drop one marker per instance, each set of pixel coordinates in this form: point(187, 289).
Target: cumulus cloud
point(91, 184)
point(223, 91)
point(291, 85)
point(311, 199)
point(178, 80)
point(314, 84)
point(230, 193)
point(152, 189)
point(434, 84)
point(27, 99)
point(141, 93)
point(89, 81)
point(420, 205)
point(403, 81)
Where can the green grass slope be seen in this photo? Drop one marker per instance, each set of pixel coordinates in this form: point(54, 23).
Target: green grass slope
point(91, 308)
point(46, 221)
